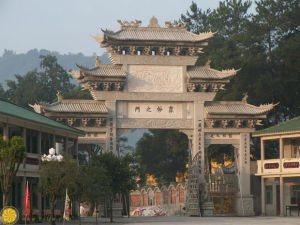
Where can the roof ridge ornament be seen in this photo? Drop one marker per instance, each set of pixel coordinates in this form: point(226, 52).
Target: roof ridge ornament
point(207, 64)
point(59, 96)
point(176, 24)
point(244, 99)
point(97, 61)
point(153, 22)
point(125, 23)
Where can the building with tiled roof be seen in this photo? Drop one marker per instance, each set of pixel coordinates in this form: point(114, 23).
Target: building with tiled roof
point(280, 173)
point(40, 133)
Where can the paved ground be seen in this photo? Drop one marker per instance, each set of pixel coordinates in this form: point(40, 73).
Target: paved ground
point(192, 220)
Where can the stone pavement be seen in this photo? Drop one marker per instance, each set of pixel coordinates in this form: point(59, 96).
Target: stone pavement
point(169, 220)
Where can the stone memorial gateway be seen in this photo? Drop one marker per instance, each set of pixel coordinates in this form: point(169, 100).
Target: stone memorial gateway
point(153, 83)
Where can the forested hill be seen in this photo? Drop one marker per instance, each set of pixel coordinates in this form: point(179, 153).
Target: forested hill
point(12, 63)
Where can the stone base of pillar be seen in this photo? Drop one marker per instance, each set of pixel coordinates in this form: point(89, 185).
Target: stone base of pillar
point(244, 205)
point(207, 209)
point(117, 209)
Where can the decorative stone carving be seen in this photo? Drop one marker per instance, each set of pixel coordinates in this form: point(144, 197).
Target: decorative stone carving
point(204, 86)
point(155, 123)
point(84, 122)
point(98, 61)
point(147, 50)
point(175, 24)
point(177, 50)
point(100, 122)
point(153, 22)
point(237, 123)
point(191, 87)
point(251, 123)
point(70, 121)
point(131, 50)
point(147, 78)
point(224, 123)
point(191, 51)
point(234, 123)
point(162, 50)
point(209, 123)
point(125, 23)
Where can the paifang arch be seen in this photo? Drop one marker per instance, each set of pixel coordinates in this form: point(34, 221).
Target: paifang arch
point(153, 83)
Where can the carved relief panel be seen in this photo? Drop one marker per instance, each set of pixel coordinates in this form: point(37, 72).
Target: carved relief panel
point(152, 78)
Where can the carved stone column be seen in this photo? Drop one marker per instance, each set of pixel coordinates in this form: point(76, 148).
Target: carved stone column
point(111, 143)
point(244, 200)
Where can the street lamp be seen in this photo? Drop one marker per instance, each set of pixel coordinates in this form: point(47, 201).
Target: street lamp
point(52, 156)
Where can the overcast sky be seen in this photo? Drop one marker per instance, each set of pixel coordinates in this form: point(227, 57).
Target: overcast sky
point(67, 25)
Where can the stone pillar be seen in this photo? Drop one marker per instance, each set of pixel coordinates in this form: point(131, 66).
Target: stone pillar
point(263, 197)
point(244, 200)
point(6, 132)
point(281, 196)
point(111, 141)
point(280, 152)
point(262, 154)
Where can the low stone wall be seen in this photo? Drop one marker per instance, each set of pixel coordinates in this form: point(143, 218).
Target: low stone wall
point(171, 199)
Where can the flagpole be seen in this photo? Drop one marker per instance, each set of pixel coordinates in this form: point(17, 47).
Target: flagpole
point(26, 202)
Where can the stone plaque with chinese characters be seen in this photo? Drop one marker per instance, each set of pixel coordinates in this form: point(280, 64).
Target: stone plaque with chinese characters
point(149, 78)
point(154, 110)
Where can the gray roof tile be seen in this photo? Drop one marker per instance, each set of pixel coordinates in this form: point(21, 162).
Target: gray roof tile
point(76, 106)
point(157, 34)
point(238, 108)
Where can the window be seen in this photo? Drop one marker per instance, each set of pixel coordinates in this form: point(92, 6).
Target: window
point(295, 149)
point(47, 143)
point(32, 141)
point(269, 194)
point(295, 195)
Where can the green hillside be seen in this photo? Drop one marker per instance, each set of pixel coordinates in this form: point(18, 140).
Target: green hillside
point(12, 63)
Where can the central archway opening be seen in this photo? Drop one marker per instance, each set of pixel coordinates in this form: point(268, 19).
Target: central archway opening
point(161, 156)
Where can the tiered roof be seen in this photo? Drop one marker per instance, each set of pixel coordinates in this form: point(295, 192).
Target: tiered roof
point(107, 70)
point(157, 34)
point(75, 106)
point(236, 108)
point(207, 73)
point(132, 32)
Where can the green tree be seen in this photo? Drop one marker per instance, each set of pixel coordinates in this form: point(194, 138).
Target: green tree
point(119, 176)
point(77, 93)
point(12, 154)
point(53, 78)
point(2, 92)
point(41, 85)
point(162, 153)
point(55, 178)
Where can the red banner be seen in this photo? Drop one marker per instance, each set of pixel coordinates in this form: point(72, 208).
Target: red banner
point(27, 202)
